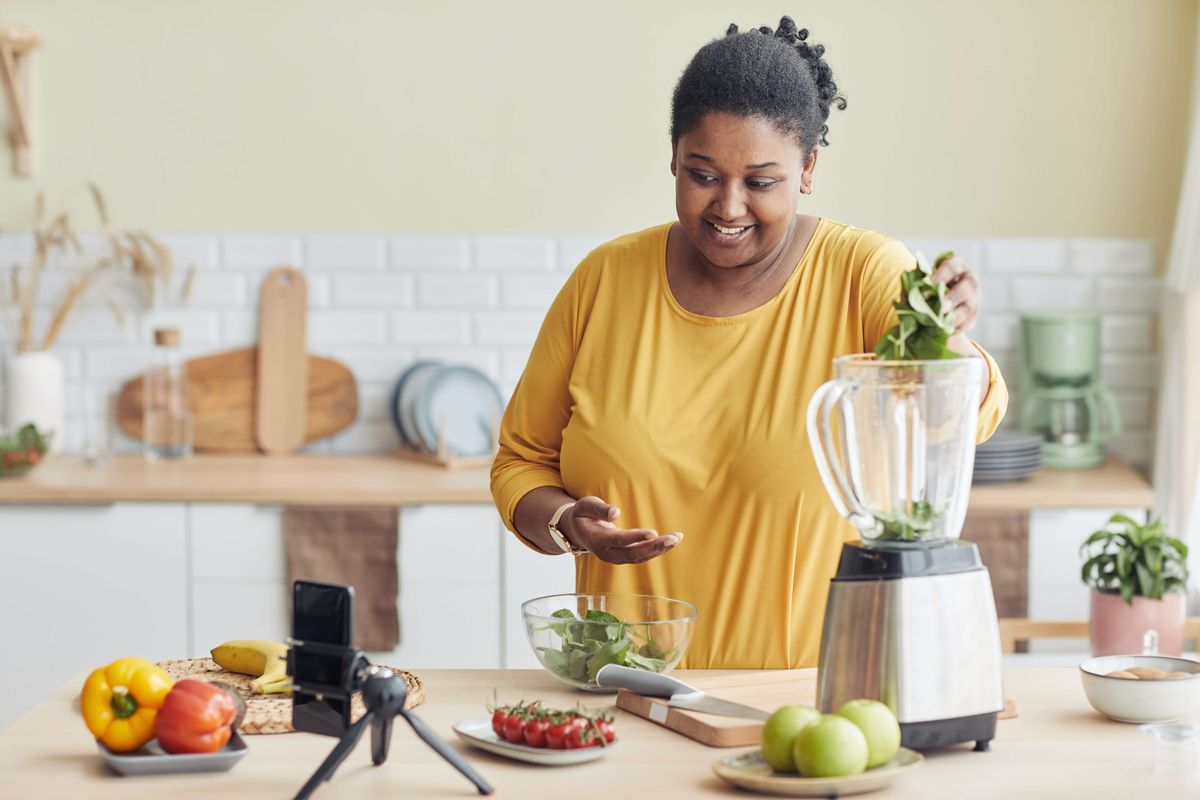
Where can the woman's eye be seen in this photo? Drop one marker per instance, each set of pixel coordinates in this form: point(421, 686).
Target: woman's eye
point(700, 177)
point(761, 184)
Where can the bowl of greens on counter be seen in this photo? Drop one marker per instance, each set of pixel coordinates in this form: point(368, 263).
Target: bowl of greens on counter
point(574, 635)
point(21, 451)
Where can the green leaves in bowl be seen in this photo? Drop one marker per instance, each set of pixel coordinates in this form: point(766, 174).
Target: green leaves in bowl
point(926, 320)
point(20, 451)
point(598, 639)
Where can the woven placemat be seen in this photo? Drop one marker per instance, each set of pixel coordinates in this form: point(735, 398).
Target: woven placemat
point(272, 713)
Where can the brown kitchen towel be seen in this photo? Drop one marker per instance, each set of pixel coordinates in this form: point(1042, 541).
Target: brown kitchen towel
point(356, 547)
point(1003, 541)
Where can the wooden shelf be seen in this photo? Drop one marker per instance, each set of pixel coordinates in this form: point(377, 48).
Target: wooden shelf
point(1114, 484)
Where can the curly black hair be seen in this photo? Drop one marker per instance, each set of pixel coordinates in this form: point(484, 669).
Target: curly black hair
point(771, 74)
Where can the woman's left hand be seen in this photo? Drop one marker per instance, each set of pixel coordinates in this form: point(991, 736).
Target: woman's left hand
point(962, 291)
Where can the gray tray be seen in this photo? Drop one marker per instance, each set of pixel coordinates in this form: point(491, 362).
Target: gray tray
point(153, 760)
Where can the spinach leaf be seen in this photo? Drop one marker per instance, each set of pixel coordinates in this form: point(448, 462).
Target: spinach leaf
point(600, 638)
point(926, 321)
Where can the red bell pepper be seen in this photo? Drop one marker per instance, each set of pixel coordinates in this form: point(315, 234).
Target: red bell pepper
point(195, 717)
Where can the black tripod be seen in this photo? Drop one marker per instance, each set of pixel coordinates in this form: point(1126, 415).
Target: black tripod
point(384, 695)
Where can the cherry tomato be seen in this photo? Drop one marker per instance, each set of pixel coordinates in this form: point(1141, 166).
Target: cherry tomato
point(607, 730)
point(514, 729)
point(556, 736)
point(499, 717)
point(535, 732)
point(581, 737)
point(33, 456)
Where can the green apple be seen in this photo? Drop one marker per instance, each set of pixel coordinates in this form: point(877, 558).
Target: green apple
point(879, 726)
point(780, 732)
point(831, 747)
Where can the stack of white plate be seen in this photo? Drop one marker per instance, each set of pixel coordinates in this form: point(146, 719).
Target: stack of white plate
point(452, 405)
point(1008, 456)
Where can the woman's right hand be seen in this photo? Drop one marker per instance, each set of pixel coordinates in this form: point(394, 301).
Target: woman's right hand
point(589, 524)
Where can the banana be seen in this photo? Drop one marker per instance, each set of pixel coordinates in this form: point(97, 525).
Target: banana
point(267, 660)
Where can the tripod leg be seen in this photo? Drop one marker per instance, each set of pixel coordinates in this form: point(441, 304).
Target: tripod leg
point(381, 738)
point(335, 758)
point(447, 752)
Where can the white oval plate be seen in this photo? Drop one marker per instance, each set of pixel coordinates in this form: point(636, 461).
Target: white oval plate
point(478, 732)
point(749, 771)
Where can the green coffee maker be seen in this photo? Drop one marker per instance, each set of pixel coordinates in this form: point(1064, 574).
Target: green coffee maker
point(1063, 399)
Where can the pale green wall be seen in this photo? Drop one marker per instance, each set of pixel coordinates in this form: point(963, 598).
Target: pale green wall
point(967, 117)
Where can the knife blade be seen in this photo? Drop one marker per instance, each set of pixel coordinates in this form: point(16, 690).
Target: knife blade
point(677, 693)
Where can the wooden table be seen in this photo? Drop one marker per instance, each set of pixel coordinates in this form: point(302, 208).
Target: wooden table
point(1057, 748)
point(388, 480)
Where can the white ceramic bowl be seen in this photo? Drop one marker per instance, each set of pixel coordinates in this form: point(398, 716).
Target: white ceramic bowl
point(1127, 700)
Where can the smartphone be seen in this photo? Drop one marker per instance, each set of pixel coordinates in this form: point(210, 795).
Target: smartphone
point(322, 629)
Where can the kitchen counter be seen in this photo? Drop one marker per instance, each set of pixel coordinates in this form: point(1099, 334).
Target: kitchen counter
point(1057, 747)
point(387, 480)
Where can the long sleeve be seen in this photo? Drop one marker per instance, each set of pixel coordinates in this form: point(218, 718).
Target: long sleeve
point(532, 428)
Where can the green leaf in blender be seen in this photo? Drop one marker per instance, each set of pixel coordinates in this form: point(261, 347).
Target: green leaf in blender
point(926, 321)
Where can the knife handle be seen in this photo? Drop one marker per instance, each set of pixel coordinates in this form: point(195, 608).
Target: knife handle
point(644, 682)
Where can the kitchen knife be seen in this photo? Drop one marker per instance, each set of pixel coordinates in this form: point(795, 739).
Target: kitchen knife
point(677, 693)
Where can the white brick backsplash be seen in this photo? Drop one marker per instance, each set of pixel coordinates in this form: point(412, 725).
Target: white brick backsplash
point(380, 303)
point(15, 249)
point(969, 250)
point(514, 253)
point(347, 327)
point(374, 364)
point(117, 363)
point(486, 361)
point(507, 328)
point(1000, 331)
point(1059, 293)
point(1136, 408)
point(319, 293)
point(1129, 295)
point(529, 291)
point(1111, 256)
point(1136, 447)
point(573, 249)
point(195, 327)
point(430, 252)
point(456, 291)
point(996, 292)
point(1025, 255)
point(95, 326)
point(1129, 371)
point(366, 437)
point(192, 250)
point(1127, 333)
point(239, 328)
point(260, 252)
point(217, 290)
point(345, 252)
point(431, 327)
point(512, 364)
point(374, 401)
point(372, 291)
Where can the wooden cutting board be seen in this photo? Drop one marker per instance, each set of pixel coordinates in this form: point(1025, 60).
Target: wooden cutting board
point(767, 691)
point(224, 402)
point(282, 405)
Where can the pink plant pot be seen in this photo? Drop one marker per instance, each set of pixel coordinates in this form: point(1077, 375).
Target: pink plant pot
point(1117, 628)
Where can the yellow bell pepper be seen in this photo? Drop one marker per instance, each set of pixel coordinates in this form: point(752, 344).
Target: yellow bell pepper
point(120, 702)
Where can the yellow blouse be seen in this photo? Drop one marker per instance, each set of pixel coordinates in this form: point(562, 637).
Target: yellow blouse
point(697, 424)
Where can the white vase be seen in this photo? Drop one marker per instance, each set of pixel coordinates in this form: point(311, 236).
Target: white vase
point(33, 390)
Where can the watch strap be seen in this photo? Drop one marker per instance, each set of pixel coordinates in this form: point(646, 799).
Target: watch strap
point(557, 535)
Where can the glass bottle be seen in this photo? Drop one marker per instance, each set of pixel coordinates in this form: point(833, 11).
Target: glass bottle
point(166, 405)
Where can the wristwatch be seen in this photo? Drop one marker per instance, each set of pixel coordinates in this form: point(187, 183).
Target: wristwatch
point(557, 535)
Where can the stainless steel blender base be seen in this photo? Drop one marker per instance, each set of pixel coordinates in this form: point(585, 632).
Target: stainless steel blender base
point(927, 646)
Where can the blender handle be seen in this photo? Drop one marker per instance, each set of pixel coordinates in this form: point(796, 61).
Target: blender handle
point(820, 439)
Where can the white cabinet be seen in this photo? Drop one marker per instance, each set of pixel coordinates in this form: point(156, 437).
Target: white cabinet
point(528, 574)
point(83, 585)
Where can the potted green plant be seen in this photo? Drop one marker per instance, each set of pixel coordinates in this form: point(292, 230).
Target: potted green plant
point(1138, 575)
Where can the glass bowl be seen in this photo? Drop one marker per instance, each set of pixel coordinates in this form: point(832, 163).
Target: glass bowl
point(574, 635)
point(21, 451)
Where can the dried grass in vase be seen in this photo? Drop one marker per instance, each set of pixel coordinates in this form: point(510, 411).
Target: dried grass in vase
point(132, 260)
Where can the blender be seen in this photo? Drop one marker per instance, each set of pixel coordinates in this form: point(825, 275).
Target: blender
point(1065, 403)
point(910, 619)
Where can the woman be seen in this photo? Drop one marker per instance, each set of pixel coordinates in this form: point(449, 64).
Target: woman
point(667, 388)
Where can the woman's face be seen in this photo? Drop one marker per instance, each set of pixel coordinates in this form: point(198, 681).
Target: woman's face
point(737, 183)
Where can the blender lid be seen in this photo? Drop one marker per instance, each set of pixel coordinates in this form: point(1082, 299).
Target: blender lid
point(880, 562)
